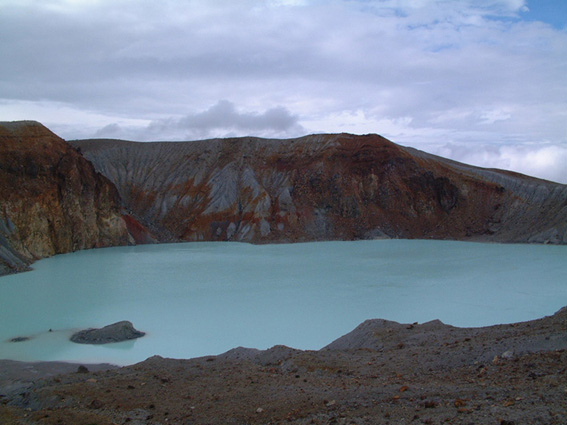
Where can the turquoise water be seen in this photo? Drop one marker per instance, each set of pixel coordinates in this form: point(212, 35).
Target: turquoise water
point(196, 299)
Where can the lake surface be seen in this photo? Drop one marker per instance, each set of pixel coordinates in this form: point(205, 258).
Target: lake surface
point(196, 299)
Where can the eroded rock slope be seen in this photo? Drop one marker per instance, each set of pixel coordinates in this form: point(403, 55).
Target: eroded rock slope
point(323, 187)
point(52, 200)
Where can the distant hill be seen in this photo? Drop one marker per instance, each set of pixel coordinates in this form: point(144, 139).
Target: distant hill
point(323, 187)
point(58, 197)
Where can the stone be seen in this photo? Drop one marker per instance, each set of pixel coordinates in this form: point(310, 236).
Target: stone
point(96, 404)
point(116, 332)
point(20, 339)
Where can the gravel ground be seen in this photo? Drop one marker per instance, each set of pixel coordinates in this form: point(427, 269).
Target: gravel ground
point(381, 373)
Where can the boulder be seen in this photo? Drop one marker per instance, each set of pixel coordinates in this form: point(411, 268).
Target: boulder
point(117, 332)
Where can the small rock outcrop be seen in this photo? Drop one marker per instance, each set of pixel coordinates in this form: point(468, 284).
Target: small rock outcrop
point(117, 332)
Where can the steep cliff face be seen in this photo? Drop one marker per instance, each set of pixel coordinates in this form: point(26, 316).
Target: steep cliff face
point(51, 199)
point(323, 187)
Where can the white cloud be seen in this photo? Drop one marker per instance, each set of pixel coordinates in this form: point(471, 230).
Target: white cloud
point(545, 160)
point(492, 115)
point(63, 119)
point(419, 72)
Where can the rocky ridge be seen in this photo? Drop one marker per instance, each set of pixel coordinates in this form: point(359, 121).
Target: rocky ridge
point(52, 200)
point(323, 187)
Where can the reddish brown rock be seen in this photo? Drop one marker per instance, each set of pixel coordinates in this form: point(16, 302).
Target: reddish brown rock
point(139, 233)
point(52, 200)
point(323, 187)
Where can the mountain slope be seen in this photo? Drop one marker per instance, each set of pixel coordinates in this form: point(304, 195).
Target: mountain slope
point(52, 200)
point(323, 187)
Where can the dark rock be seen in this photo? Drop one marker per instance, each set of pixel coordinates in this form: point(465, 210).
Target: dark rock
point(117, 332)
point(96, 404)
point(82, 369)
point(20, 339)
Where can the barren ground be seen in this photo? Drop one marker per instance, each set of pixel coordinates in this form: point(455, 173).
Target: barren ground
point(381, 373)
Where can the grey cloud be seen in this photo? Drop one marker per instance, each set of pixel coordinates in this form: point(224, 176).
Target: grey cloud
point(110, 131)
point(224, 115)
point(221, 120)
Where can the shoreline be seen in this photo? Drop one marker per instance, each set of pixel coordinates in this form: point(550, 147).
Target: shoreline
point(477, 240)
point(381, 372)
point(40, 367)
point(59, 364)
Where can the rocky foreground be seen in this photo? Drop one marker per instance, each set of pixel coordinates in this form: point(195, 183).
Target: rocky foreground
point(381, 373)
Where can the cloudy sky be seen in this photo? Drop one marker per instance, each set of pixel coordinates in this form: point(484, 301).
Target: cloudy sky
point(480, 81)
